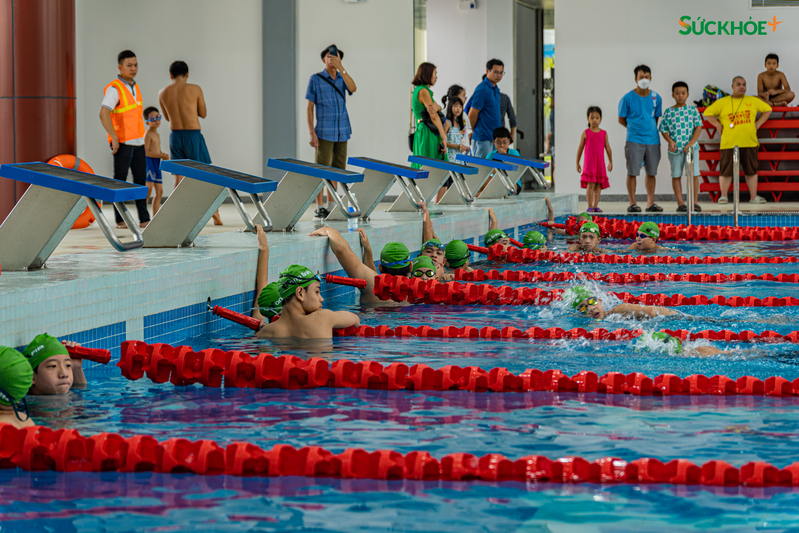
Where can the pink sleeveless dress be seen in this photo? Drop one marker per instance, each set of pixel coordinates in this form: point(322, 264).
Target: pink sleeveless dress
point(594, 168)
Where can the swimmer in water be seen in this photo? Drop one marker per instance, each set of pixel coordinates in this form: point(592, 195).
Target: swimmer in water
point(457, 255)
point(16, 377)
point(589, 240)
point(423, 268)
point(301, 314)
point(660, 341)
point(395, 259)
point(583, 300)
point(535, 240)
point(646, 239)
point(54, 371)
point(581, 218)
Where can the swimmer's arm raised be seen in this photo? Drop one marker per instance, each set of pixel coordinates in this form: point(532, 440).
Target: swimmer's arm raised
point(367, 259)
point(262, 272)
point(492, 219)
point(350, 262)
point(78, 377)
point(427, 225)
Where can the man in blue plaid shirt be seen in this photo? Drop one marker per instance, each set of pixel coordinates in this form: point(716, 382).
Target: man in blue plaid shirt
point(327, 91)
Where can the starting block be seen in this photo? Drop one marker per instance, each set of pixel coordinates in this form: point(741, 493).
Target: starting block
point(198, 196)
point(300, 185)
point(439, 171)
point(50, 207)
point(534, 166)
point(497, 171)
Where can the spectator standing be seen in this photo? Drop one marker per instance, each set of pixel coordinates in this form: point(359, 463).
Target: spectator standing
point(456, 91)
point(506, 110)
point(735, 117)
point(430, 137)
point(484, 109)
point(639, 111)
point(327, 93)
point(122, 117)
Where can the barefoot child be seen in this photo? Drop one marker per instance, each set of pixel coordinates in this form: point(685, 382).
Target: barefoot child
point(15, 379)
point(681, 126)
point(152, 149)
point(593, 177)
point(772, 85)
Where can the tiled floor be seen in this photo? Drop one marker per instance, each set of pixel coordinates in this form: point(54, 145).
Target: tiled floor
point(671, 207)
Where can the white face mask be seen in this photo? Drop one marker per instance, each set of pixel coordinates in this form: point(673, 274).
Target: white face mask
point(643, 83)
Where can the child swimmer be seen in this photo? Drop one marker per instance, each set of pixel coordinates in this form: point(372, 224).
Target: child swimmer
point(535, 240)
point(584, 301)
point(646, 238)
point(16, 378)
point(589, 240)
point(54, 371)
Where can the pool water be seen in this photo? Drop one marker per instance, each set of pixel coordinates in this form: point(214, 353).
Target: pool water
point(734, 429)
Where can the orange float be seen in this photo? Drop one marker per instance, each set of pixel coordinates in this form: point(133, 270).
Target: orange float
point(86, 218)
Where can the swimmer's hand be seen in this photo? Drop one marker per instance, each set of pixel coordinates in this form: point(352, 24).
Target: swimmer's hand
point(364, 239)
point(261, 235)
point(492, 219)
point(550, 211)
point(425, 211)
point(70, 344)
point(325, 231)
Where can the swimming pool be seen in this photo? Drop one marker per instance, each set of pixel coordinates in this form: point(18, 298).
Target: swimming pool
point(736, 429)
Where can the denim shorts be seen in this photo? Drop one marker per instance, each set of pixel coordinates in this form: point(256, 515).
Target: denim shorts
point(678, 162)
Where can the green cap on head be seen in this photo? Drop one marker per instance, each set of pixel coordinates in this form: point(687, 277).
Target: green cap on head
point(494, 235)
point(456, 253)
point(649, 228)
point(576, 295)
point(16, 376)
point(423, 262)
point(270, 302)
point(433, 243)
point(590, 227)
point(42, 347)
point(656, 338)
point(395, 255)
point(292, 277)
point(584, 216)
point(534, 240)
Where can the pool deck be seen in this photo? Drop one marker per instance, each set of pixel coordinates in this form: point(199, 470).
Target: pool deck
point(101, 297)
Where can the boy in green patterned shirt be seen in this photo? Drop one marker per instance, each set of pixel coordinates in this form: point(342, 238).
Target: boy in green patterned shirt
point(681, 126)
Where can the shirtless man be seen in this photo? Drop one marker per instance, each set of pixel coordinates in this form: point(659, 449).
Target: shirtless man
point(183, 106)
point(395, 259)
point(772, 85)
point(16, 377)
point(302, 316)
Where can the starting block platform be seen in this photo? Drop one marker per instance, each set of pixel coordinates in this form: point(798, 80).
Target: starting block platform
point(439, 172)
point(299, 187)
point(52, 204)
point(498, 170)
point(534, 166)
point(379, 176)
point(197, 198)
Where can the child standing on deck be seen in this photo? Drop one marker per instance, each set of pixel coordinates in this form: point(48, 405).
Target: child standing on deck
point(681, 126)
point(152, 149)
point(593, 177)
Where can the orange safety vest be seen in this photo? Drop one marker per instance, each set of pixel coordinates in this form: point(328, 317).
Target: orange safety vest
point(127, 116)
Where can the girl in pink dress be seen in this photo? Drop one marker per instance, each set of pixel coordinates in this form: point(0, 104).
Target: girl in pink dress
point(593, 177)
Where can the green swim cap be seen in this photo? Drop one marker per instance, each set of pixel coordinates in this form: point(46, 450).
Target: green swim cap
point(673, 344)
point(584, 216)
point(42, 347)
point(395, 255)
point(269, 301)
point(293, 277)
point(649, 228)
point(433, 243)
point(534, 240)
point(423, 262)
point(494, 235)
point(590, 227)
point(16, 376)
point(576, 295)
point(456, 253)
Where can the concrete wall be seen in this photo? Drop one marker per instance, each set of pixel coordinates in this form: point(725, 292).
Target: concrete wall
point(599, 43)
point(221, 42)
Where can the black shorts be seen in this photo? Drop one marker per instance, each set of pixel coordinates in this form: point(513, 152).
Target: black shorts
point(748, 159)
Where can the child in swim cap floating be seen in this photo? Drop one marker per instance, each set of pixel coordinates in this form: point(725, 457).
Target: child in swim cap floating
point(646, 239)
point(16, 376)
point(535, 240)
point(583, 300)
point(423, 268)
point(457, 255)
point(590, 237)
point(54, 371)
point(301, 314)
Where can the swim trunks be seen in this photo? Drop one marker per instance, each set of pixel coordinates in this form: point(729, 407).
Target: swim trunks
point(154, 170)
point(188, 144)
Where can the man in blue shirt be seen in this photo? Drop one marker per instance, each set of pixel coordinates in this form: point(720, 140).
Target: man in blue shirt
point(484, 114)
point(639, 111)
point(327, 91)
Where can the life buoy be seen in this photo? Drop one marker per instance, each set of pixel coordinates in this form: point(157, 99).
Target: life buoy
point(86, 218)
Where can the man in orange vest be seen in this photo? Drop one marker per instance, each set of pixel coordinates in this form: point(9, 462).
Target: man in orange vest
point(122, 116)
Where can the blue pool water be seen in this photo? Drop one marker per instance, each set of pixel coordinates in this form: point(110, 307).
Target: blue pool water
point(733, 429)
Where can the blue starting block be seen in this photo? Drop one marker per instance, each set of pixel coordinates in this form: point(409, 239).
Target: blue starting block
point(439, 172)
point(496, 170)
point(193, 202)
point(300, 185)
point(526, 164)
point(379, 176)
point(50, 207)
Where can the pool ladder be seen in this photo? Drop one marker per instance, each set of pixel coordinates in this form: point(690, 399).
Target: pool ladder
point(736, 169)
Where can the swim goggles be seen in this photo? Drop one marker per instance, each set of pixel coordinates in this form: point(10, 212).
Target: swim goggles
point(394, 264)
point(299, 280)
point(154, 119)
point(644, 236)
point(421, 273)
point(433, 244)
point(583, 308)
point(23, 402)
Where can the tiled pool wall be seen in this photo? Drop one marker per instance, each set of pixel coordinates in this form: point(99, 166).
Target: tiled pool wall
point(101, 298)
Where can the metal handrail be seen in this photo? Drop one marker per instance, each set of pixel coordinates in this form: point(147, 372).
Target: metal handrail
point(462, 186)
point(108, 231)
point(245, 215)
point(736, 169)
point(689, 172)
point(506, 181)
point(414, 195)
point(331, 191)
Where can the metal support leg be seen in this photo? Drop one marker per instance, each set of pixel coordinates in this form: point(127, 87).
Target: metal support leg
point(428, 187)
point(245, 215)
point(736, 193)
point(371, 191)
point(288, 203)
point(411, 190)
point(331, 191)
point(472, 181)
point(108, 231)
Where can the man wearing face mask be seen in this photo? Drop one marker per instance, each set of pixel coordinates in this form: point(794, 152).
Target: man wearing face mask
point(639, 111)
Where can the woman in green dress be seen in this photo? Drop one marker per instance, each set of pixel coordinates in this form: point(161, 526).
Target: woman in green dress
point(426, 142)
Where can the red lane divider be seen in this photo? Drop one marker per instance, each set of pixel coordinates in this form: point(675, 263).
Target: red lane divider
point(66, 450)
point(182, 366)
point(251, 322)
point(515, 255)
point(97, 355)
point(343, 280)
point(615, 228)
point(616, 278)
